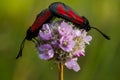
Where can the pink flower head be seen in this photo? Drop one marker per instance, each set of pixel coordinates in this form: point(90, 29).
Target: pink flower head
point(63, 43)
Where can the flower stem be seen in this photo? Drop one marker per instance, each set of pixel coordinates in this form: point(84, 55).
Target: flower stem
point(61, 72)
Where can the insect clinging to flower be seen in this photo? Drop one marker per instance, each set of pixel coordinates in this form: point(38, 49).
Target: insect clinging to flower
point(56, 10)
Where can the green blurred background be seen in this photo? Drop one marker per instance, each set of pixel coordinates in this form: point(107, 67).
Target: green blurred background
point(102, 60)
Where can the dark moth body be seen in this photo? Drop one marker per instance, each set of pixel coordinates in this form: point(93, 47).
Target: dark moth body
point(61, 10)
point(44, 17)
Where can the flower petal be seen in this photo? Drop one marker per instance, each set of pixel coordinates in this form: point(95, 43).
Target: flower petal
point(45, 34)
point(72, 64)
point(79, 53)
point(44, 56)
point(88, 39)
point(64, 28)
point(76, 32)
point(46, 51)
point(66, 43)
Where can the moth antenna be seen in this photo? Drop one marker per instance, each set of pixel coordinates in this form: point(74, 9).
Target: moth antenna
point(21, 48)
point(104, 35)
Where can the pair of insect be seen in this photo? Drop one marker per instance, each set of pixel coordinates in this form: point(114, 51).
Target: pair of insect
point(59, 10)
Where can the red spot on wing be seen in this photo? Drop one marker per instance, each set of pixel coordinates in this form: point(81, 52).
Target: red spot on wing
point(40, 21)
point(76, 17)
point(70, 14)
point(61, 11)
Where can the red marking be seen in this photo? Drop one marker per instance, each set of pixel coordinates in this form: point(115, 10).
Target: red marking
point(70, 14)
point(62, 11)
point(40, 21)
point(76, 17)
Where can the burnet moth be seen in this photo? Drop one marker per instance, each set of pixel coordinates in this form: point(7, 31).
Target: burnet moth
point(44, 17)
point(59, 10)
